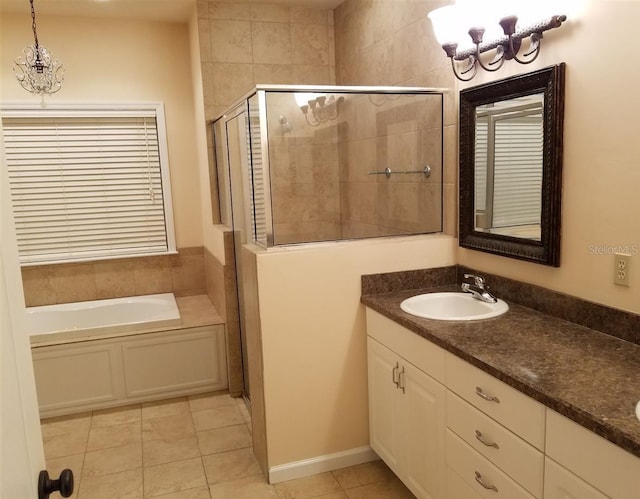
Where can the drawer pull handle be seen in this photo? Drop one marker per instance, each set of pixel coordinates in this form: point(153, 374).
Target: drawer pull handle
point(401, 381)
point(394, 375)
point(489, 398)
point(480, 480)
point(480, 437)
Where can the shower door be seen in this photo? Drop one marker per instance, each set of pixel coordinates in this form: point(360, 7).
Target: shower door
point(241, 199)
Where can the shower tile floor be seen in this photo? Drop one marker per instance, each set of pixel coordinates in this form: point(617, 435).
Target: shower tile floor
point(196, 447)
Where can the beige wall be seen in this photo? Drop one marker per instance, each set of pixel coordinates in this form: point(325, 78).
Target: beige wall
point(110, 60)
point(314, 340)
point(600, 198)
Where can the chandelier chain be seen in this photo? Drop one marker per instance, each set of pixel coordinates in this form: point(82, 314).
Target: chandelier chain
point(33, 24)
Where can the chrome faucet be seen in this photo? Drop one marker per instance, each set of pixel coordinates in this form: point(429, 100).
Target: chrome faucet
point(478, 289)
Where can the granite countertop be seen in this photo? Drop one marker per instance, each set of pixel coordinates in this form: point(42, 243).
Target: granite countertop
point(588, 376)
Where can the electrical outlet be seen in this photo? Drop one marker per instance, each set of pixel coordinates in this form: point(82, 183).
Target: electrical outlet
point(621, 269)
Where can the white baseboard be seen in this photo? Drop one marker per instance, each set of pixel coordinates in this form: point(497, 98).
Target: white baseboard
point(321, 464)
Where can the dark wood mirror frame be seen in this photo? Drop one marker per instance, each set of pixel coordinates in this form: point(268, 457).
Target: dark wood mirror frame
point(550, 82)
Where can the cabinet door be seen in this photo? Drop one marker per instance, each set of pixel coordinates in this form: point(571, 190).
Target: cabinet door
point(560, 483)
point(423, 425)
point(383, 403)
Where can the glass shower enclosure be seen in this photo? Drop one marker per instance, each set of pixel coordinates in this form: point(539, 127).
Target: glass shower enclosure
point(306, 164)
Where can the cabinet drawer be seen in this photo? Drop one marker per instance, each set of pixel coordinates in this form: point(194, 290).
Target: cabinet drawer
point(474, 468)
point(604, 465)
point(562, 484)
point(423, 354)
point(457, 488)
point(519, 413)
point(514, 456)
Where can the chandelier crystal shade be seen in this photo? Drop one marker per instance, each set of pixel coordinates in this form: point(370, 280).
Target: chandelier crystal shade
point(37, 70)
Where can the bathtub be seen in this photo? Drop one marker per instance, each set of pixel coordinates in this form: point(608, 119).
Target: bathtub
point(107, 353)
point(89, 319)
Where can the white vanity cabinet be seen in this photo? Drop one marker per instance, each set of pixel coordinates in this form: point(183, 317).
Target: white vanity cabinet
point(451, 430)
point(590, 463)
point(495, 434)
point(560, 483)
point(406, 406)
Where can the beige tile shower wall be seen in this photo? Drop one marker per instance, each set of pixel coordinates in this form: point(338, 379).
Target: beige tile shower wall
point(403, 133)
point(391, 42)
point(182, 274)
point(243, 44)
point(303, 163)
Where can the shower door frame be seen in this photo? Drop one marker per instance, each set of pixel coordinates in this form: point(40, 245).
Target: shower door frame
point(242, 108)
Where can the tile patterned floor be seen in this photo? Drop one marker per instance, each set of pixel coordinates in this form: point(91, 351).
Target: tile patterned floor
point(196, 447)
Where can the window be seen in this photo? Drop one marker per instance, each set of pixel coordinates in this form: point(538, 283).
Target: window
point(88, 183)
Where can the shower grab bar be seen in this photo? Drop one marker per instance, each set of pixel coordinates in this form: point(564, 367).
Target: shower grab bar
point(387, 172)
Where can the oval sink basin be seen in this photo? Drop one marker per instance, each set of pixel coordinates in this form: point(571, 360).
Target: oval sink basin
point(452, 307)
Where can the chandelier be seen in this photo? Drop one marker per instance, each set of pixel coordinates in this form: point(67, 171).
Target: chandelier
point(36, 70)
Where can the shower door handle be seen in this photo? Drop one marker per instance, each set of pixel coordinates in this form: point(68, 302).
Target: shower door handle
point(64, 484)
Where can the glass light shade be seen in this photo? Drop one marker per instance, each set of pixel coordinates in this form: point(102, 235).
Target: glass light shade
point(445, 25)
point(486, 14)
point(451, 23)
point(303, 98)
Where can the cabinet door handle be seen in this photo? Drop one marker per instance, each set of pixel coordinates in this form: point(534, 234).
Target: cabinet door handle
point(394, 375)
point(481, 439)
point(401, 384)
point(489, 398)
point(480, 480)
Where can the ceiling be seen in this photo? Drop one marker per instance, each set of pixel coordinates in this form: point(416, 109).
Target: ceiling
point(159, 10)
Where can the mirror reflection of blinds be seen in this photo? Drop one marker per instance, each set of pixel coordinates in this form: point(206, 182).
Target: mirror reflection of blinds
point(480, 163)
point(85, 187)
point(259, 215)
point(518, 172)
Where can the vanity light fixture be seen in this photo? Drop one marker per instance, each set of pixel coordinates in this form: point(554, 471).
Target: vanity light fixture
point(38, 71)
point(318, 108)
point(452, 23)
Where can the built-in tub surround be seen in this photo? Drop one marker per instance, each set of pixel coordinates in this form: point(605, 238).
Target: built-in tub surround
point(84, 369)
point(581, 373)
point(181, 274)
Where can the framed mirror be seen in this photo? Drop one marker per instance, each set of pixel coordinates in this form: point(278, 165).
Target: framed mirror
point(511, 166)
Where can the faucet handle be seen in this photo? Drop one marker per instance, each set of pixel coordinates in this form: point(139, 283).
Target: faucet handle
point(478, 280)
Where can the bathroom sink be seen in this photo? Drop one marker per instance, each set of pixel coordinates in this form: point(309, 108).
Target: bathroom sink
point(452, 307)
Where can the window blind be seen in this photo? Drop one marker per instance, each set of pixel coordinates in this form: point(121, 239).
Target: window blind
point(86, 186)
